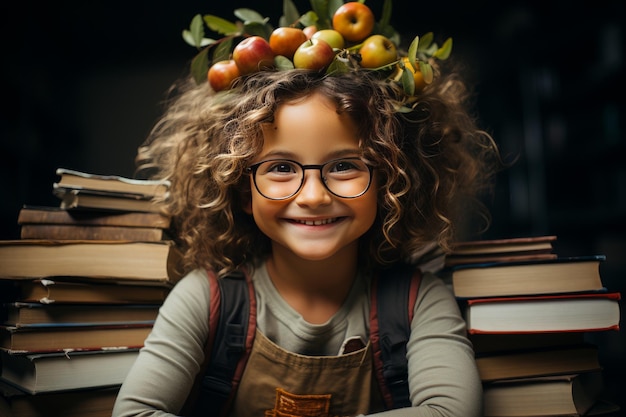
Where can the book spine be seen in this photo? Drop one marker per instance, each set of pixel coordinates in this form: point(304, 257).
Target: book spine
point(68, 232)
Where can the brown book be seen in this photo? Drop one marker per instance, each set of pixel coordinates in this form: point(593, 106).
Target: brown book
point(57, 215)
point(18, 314)
point(533, 363)
point(72, 198)
point(60, 338)
point(148, 262)
point(486, 344)
point(499, 279)
point(79, 232)
point(48, 291)
point(501, 250)
point(77, 403)
point(111, 183)
point(543, 396)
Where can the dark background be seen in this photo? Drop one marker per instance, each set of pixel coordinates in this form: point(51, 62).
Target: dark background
point(83, 82)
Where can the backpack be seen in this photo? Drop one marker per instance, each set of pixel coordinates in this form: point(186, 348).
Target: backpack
point(232, 328)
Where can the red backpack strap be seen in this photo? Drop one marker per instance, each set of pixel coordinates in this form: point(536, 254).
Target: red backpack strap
point(232, 326)
point(393, 296)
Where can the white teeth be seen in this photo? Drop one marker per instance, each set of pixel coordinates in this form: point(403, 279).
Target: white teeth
point(316, 222)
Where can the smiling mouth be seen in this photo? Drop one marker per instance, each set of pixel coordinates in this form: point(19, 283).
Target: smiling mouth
point(317, 222)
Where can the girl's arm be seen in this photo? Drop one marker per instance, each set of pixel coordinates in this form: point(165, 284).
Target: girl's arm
point(443, 378)
point(164, 372)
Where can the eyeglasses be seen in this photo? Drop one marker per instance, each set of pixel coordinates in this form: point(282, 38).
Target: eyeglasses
point(280, 179)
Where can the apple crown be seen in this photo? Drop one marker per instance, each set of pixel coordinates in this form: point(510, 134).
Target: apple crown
point(333, 37)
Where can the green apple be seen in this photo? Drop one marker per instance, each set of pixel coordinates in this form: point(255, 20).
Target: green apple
point(331, 36)
point(313, 54)
point(377, 51)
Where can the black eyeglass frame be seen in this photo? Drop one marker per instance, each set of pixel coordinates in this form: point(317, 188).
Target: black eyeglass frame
point(252, 170)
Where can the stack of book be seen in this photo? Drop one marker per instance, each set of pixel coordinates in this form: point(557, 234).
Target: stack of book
point(80, 292)
point(527, 312)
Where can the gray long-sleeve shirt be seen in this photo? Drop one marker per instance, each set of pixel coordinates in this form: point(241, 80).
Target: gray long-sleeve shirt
point(443, 379)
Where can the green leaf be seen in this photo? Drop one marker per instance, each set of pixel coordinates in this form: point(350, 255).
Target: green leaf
point(196, 31)
point(321, 9)
point(408, 82)
point(427, 72)
point(188, 37)
point(309, 18)
point(283, 63)
point(445, 50)
point(333, 5)
point(426, 41)
point(385, 17)
point(412, 52)
point(221, 26)
point(338, 66)
point(222, 50)
point(291, 14)
point(258, 29)
point(249, 15)
point(200, 66)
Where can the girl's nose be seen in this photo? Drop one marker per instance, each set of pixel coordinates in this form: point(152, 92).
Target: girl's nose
point(313, 192)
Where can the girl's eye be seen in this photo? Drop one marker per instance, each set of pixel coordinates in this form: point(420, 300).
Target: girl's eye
point(281, 167)
point(346, 165)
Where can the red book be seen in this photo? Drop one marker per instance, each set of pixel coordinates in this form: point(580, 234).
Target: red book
point(581, 312)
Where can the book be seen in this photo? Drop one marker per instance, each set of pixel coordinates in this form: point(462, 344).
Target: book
point(56, 215)
point(543, 396)
point(533, 363)
point(501, 250)
point(72, 198)
point(486, 343)
point(19, 314)
point(551, 276)
point(73, 179)
point(149, 262)
point(507, 245)
point(49, 372)
point(49, 291)
point(88, 232)
point(97, 402)
point(69, 337)
point(536, 314)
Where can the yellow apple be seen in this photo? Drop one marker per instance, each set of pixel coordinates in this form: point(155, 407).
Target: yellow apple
point(313, 54)
point(378, 51)
point(331, 36)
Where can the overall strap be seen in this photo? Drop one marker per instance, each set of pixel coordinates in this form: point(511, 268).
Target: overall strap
point(232, 326)
point(393, 297)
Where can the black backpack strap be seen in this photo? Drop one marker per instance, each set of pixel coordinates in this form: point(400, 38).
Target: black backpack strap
point(232, 327)
point(393, 297)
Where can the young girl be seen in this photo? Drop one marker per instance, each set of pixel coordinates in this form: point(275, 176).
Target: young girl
point(312, 184)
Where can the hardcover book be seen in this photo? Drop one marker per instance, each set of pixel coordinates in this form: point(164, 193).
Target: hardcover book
point(149, 262)
point(557, 313)
point(51, 372)
point(552, 276)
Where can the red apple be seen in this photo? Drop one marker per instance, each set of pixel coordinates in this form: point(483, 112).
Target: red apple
point(313, 54)
point(222, 74)
point(377, 51)
point(309, 31)
point(331, 36)
point(354, 20)
point(253, 54)
point(285, 40)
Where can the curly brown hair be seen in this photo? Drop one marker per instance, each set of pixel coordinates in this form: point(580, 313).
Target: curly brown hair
point(430, 161)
